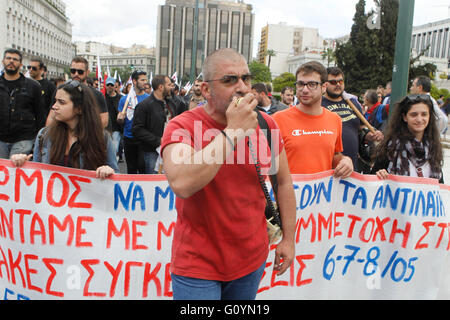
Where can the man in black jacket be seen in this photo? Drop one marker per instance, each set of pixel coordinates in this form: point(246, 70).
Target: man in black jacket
point(150, 119)
point(21, 112)
point(36, 68)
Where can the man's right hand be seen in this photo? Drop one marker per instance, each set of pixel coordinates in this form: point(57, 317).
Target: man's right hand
point(242, 120)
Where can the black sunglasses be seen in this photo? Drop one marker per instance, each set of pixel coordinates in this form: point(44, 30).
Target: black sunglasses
point(32, 68)
point(233, 79)
point(79, 71)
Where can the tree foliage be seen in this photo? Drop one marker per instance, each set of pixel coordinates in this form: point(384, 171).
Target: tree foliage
point(260, 72)
point(367, 59)
point(283, 80)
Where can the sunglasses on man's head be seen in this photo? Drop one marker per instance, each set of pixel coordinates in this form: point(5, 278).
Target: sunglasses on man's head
point(74, 84)
point(32, 68)
point(417, 97)
point(79, 71)
point(233, 79)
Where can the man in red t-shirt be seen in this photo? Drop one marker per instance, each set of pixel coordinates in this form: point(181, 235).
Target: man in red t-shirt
point(220, 241)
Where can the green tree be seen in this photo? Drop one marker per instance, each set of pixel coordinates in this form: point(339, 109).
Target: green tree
point(283, 80)
point(329, 56)
point(367, 59)
point(260, 72)
point(270, 53)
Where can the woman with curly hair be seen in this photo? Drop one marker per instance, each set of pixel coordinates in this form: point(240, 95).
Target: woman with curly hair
point(412, 145)
point(76, 137)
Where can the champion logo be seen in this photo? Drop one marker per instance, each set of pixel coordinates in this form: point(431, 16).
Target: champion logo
point(300, 132)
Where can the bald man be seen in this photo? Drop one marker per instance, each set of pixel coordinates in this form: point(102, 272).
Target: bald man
point(220, 244)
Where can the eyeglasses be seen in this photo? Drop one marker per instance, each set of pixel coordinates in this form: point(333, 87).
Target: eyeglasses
point(233, 79)
point(312, 85)
point(335, 82)
point(110, 85)
point(32, 68)
point(79, 71)
point(74, 84)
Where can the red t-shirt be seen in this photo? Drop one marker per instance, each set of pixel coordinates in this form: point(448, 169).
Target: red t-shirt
point(221, 231)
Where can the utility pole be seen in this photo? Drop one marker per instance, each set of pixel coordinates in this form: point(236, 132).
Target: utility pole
point(194, 45)
point(402, 52)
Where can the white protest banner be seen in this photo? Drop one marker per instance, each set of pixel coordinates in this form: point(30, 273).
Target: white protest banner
point(362, 238)
point(66, 235)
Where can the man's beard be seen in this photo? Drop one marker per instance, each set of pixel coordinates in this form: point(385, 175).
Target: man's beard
point(334, 95)
point(11, 72)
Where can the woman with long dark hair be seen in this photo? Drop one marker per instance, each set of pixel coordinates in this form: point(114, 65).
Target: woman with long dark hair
point(412, 144)
point(76, 138)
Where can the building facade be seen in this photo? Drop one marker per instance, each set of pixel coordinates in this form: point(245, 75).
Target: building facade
point(116, 58)
point(221, 24)
point(433, 40)
point(38, 28)
point(288, 41)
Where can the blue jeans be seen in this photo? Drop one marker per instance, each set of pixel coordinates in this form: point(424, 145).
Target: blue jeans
point(245, 288)
point(116, 135)
point(7, 149)
point(150, 159)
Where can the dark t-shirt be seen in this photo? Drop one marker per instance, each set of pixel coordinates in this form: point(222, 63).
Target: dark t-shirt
point(100, 100)
point(12, 85)
point(350, 127)
point(48, 92)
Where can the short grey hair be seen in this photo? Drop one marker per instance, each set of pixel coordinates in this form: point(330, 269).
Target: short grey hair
point(209, 65)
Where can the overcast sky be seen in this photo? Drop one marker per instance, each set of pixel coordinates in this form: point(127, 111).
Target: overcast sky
point(125, 22)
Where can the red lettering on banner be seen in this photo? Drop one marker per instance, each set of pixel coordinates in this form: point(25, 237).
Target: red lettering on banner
point(362, 233)
point(352, 225)
point(5, 263)
point(15, 264)
point(151, 276)
point(87, 265)
point(337, 224)
point(37, 175)
point(444, 226)
point(128, 266)
point(30, 271)
point(48, 263)
point(34, 231)
point(9, 224)
point(65, 190)
point(325, 223)
point(137, 234)
point(300, 259)
point(419, 244)
point(301, 223)
point(167, 282)
point(125, 228)
point(22, 214)
point(404, 232)
point(167, 233)
point(4, 197)
point(115, 272)
point(72, 203)
point(262, 289)
point(67, 223)
point(80, 231)
point(380, 228)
